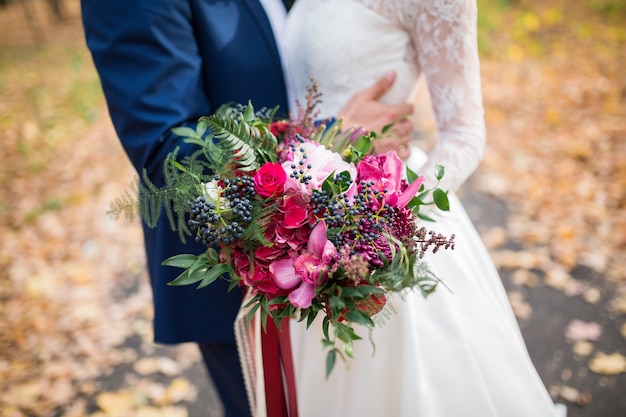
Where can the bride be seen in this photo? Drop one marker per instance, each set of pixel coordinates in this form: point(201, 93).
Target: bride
point(459, 352)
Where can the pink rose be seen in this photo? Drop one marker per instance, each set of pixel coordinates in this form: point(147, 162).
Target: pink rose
point(269, 179)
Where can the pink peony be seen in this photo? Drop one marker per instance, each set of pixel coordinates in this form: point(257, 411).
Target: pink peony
point(316, 163)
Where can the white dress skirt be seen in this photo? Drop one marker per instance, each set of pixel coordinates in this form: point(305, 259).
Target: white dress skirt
point(459, 352)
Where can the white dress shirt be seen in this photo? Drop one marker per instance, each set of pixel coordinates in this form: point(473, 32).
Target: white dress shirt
point(277, 14)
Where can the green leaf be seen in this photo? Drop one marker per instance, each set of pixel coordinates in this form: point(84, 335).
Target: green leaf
point(310, 318)
point(331, 359)
point(415, 203)
point(248, 113)
point(213, 255)
point(185, 132)
point(346, 333)
point(343, 180)
point(363, 144)
point(251, 313)
point(327, 343)
point(278, 300)
point(336, 303)
point(201, 128)
point(329, 185)
point(425, 217)
point(354, 293)
point(188, 277)
point(212, 274)
point(316, 136)
point(325, 326)
point(367, 290)
point(439, 172)
point(411, 175)
point(357, 316)
point(387, 127)
point(441, 199)
point(423, 195)
point(348, 348)
point(180, 261)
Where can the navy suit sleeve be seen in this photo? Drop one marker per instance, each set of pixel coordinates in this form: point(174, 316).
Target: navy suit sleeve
point(166, 63)
point(150, 68)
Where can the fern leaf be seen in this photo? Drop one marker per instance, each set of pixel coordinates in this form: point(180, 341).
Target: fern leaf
point(235, 136)
point(127, 205)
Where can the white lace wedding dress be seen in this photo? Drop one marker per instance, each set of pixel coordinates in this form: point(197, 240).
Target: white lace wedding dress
point(458, 353)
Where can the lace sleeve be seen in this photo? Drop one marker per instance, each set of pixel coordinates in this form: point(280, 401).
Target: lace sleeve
point(443, 33)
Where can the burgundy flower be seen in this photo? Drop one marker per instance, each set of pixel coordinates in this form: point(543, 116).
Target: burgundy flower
point(295, 211)
point(279, 127)
point(262, 281)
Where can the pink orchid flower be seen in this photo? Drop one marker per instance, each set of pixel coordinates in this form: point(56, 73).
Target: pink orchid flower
point(305, 271)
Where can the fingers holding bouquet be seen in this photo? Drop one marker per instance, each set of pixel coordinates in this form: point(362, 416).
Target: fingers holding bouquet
point(397, 138)
point(366, 110)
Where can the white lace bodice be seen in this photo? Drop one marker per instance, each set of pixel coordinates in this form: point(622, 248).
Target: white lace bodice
point(346, 45)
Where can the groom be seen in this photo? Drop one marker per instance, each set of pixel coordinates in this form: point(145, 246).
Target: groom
point(165, 63)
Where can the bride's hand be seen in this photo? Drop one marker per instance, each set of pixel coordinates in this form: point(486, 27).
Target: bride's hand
point(398, 138)
point(365, 110)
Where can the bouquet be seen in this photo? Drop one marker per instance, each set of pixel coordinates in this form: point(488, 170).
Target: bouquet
point(302, 214)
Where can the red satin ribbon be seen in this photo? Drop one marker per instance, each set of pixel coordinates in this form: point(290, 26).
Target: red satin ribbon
point(281, 401)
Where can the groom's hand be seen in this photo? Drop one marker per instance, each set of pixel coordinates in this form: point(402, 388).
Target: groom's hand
point(365, 110)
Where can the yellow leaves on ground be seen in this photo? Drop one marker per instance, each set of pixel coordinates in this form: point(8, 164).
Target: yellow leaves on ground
point(116, 403)
point(582, 348)
point(570, 394)
point(556, 145)
point(152, 365)
point(524, 277)
point(557, 136)
point(512, 259)
point(72, 281)
point(124, 404)
point(612, 364)
point(530, 21)
point(136, 402)
point(551, 16)
point(515, 53)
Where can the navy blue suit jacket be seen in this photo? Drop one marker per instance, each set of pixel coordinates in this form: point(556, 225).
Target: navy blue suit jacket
point(165, 63)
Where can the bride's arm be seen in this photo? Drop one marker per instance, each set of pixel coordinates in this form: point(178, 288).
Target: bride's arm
point(444, 37)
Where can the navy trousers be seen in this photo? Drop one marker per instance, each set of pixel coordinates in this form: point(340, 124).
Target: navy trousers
point(224, 368)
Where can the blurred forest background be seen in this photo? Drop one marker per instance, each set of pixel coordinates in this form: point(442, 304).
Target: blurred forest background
point(549, 200)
